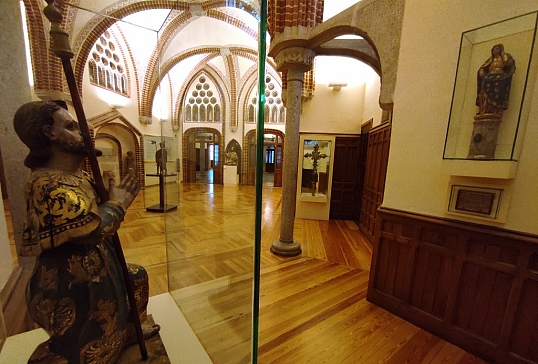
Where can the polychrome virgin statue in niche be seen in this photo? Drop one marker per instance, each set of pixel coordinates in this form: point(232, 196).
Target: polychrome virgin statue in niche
point(494, 79)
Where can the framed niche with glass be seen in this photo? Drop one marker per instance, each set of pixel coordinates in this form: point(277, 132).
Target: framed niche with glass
point(495, 75)
point(315, 171)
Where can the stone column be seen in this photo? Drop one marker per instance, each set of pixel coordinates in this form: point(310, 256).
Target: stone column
point(296, 61)
point(14, 91)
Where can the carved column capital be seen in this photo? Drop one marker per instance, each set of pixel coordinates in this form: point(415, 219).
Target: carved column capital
point(296, 58)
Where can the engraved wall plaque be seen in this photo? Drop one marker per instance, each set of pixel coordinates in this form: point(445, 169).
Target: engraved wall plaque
point(477, 201)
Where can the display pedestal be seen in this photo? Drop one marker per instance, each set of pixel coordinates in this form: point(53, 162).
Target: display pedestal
point(161, 206)
point(484, 139)
point(230, 175)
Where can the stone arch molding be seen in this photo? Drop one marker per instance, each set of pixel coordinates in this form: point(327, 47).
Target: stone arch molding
point(116, 119)
point(379, 47)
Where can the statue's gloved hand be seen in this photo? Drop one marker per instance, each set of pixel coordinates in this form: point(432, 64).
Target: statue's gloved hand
point(125, 193)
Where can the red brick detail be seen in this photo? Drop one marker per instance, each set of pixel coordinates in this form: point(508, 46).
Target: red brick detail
point(95, 27)
point(283, 14)
point(112, 118)
point(47, 67)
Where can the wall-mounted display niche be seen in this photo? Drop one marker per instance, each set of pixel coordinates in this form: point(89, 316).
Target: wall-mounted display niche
point(316, 168)
point(495, 78)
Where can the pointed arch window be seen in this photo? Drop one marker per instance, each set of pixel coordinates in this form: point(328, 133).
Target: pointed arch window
point(202, 113)
point(123, 85)
point(251, 113)
point(266, 114)
point(210, 113)
point(92, 69)
point(204, 100)
point(217, 113)
point(188, 116)
point(106, 67)
point(195, 113)
point(274, 111)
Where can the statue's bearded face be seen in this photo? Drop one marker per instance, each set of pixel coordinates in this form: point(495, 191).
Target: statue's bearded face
point(65, 133)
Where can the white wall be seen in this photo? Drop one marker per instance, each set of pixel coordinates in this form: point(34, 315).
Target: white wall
point(341, 111)
point(417, 178)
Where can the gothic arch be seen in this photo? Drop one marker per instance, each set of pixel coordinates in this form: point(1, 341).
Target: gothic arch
point(119, 154)
point(380, 47)
point(152, 86)
point(116, 119)
point(98, 24)
point(216, 77)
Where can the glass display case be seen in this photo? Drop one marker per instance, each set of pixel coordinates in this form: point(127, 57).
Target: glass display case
point(138, 67)
point(315, 168)
point(495, 76)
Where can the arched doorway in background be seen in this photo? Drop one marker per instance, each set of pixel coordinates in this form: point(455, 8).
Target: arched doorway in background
point(273, 152)
point(202, 156)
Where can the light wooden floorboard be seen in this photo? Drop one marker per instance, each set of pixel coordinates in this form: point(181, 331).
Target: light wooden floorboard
point(313, 307)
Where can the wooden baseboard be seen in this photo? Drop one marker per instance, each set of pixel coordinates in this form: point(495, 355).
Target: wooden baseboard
point(7, 291)
point(13, 297)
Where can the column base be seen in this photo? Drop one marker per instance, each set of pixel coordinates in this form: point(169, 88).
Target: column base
point(286, 248)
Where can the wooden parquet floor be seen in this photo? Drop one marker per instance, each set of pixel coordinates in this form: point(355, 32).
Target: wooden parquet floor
point(313, 307)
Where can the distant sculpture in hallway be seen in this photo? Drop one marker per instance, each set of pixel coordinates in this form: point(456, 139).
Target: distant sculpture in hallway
point(76, 292)
point(494, 80)
point(130, 163)
point(161, 158)
point(231, 157)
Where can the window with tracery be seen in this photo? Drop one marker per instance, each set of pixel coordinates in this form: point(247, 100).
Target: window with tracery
point(105, 67)
point(202, 104)
point(275, 112)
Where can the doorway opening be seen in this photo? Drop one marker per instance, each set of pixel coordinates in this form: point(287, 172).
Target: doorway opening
point(203, 162)
point(273, 141)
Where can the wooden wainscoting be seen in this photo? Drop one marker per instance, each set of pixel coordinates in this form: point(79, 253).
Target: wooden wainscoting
point(474, 286)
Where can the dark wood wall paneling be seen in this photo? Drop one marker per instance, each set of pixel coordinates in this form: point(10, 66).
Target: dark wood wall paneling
point(473, 286)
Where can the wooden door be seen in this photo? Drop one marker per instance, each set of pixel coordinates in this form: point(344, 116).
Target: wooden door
point(269, 159)
point(192, 159)
point(345, 181)
point(279, 158)
point(251, 162)
point(218, 161)
point(374, 179)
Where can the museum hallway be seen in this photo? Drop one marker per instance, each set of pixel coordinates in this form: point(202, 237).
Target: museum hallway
point(313, 307)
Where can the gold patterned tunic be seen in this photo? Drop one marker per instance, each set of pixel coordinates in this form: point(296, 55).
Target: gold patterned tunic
point(76, 292)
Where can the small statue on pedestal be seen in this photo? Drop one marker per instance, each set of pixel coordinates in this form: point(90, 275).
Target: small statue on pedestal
point(494, 79)
point(161, 158)
point(130, 163)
